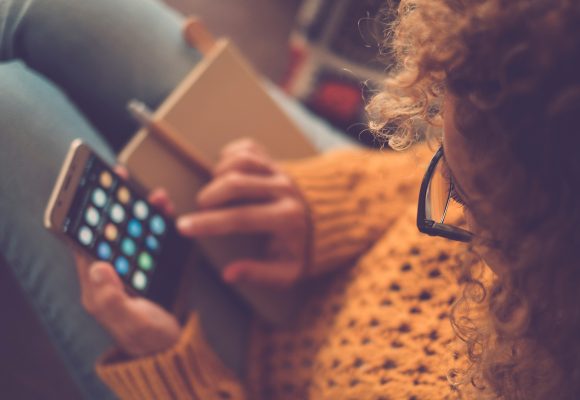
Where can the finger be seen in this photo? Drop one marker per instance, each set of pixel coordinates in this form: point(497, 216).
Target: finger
point(139, 326)
point(103, 292)
point(243, 144)
point(281, 274)
point(244, 161)
point(160, 198)
point(266, 218)
point(122, 171)
point(235, 187)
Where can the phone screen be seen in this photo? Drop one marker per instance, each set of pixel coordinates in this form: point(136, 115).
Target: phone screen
point(112, 222)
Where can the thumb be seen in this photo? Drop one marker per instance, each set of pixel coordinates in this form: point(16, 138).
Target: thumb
point(104, 296)
point(267, 273)
point(103, 274)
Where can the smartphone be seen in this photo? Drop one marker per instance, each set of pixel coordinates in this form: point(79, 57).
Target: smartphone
point(110, 219)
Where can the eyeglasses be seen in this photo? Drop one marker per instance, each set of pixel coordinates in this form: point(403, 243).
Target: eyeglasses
point(437, 192)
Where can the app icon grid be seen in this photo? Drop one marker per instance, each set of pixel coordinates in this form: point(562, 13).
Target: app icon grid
point(121, 228)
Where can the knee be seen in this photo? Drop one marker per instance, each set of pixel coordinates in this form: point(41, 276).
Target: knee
point(30, 103)
point(12, 15)
point(18, 86)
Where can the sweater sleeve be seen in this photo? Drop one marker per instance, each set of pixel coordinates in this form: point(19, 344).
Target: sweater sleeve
point(189, 370)
point(353, 197)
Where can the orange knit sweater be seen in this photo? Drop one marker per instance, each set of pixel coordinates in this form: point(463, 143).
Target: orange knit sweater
point(377, 327)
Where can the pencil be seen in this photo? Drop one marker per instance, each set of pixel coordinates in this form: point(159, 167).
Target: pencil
point(168, 134)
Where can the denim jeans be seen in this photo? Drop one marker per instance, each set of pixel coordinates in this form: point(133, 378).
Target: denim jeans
point(67, 70)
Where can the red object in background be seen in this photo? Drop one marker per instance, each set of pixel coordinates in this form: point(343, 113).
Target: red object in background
point(297, 58)
point(338, 101)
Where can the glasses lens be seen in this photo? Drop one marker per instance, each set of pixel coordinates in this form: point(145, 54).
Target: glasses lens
point(437, 195)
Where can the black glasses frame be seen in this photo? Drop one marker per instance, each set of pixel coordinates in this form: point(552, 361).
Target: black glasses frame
point(434, 228)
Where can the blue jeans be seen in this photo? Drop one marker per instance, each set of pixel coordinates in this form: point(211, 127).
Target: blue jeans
point(67, 70)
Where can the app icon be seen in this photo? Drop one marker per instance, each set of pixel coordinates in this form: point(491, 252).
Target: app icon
point(85, 235)
point(139, 280)
point(117, 213)
point(122, 265)
point(104, 251)
point(152, 243)
point(99, 197)
point(157, 225)
point(123, 195)
point(140, 209)
point(145, 261)
point(128, 247)
point(111, 232)
point(105, 179)
point(92, 216)
point(134, 228)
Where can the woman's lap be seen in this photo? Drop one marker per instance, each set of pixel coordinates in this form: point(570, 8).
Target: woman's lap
point(43, 103)
point(65, 63)
point(38, 123)
point(100, 53)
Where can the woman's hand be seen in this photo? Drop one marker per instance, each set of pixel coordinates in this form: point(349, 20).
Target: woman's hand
point(139, 326)
point(250, 194)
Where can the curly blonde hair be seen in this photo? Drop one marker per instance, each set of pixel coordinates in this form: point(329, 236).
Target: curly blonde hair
point(512, 68)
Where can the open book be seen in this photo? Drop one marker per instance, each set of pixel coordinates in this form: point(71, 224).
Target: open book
point(220, 100)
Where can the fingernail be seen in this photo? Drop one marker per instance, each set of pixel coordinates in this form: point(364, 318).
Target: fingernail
point(184, 224)
point(229, 276)
point(96, 275)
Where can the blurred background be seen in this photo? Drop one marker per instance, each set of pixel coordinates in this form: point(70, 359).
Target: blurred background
point(318, 50)
point(260, 28)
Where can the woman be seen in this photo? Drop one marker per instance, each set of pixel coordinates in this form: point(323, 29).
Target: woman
point(501, 79)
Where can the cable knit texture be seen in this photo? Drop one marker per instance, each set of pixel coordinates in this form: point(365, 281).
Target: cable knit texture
point(376, 328)
point(189, 370)
point(354, 197)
